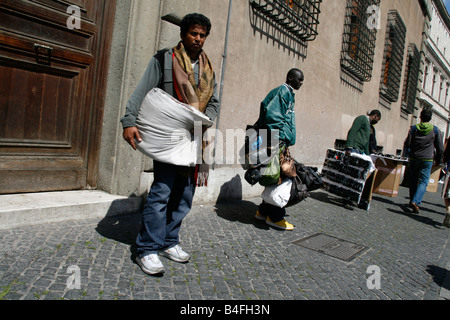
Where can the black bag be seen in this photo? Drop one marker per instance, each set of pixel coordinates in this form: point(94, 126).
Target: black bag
point(309, 176)
point(253, 175)
point(299, 191)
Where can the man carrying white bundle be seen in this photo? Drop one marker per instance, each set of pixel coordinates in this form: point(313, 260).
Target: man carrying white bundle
point(185, 73)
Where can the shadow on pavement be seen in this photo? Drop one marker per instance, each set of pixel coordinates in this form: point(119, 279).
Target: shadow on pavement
point(326, 197)
point(439, 276)
point(441, 208)
point(230, 205)
point(239, 210)
point(404, 210)
point(121, 228)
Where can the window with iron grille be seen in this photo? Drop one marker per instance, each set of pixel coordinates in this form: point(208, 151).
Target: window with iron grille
point(358, 43)
point(394, 48)
point(298, 18)
point(411, 79)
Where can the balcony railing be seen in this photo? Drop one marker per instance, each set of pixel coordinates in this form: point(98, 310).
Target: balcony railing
point(299, 18)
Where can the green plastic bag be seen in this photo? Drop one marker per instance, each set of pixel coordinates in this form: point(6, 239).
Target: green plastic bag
point(270, 174)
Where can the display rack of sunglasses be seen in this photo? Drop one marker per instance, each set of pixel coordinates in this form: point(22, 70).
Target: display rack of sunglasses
point(346, 176)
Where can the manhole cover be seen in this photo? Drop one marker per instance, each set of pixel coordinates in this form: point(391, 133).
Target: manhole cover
point(334, 247)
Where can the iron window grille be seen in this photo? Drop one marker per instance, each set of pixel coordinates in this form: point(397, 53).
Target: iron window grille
point(394, 48)
point(299, 18)
point(358, 43)
point(411, 79)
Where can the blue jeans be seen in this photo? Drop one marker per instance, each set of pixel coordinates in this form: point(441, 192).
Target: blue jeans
point(168, 202)
point(419, 176)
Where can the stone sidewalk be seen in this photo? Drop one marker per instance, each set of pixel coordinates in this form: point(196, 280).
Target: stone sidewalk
point(235, 257)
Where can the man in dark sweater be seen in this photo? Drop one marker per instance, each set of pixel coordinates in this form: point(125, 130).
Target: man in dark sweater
point(423, 146)
point(358, 136)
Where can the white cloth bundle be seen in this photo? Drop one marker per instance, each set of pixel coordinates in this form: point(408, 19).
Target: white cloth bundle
point(165, 126)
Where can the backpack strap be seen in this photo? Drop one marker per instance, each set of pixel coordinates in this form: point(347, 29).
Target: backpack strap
point(159, 56)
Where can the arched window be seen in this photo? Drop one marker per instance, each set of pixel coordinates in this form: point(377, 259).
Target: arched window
point(394, 49)
point(425, 78)
point(433, 84)
point(411, 79)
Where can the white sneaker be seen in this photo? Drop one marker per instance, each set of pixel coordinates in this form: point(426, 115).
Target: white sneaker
point(150, 264)
point(176, 254)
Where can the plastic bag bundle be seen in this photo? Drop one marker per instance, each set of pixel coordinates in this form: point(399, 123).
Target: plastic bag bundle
point(166, 128)
point(278, 195)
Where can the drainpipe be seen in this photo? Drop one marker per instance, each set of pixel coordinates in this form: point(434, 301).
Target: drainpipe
point(224, 62)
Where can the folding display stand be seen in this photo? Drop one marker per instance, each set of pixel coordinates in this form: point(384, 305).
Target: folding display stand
point(349, 176)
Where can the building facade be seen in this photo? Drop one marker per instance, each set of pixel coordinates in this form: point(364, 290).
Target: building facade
point(434, 93)
point(356, 55)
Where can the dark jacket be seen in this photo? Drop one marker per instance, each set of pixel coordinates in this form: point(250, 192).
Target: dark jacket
point(277, 113)
point(359, 135)
point(424, 142)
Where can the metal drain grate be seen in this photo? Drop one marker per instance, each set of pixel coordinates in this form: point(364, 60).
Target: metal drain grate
point(334, 247)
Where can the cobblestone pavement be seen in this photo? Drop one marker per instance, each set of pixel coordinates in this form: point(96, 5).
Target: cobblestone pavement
point(235, 257)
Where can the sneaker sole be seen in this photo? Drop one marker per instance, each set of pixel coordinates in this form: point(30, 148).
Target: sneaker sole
point(168, 256)
point(278, 227)
point(148, 271)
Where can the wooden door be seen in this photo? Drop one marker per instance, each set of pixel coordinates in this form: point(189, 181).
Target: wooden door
point(52, 86)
